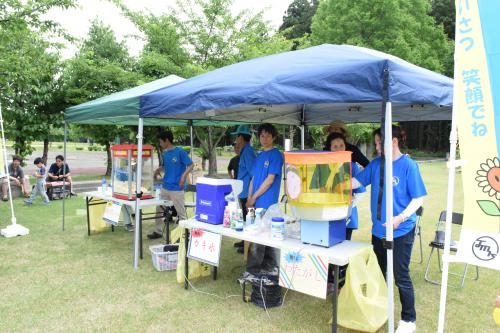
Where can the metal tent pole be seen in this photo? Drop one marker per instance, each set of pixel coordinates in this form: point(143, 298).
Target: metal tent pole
point(13, 229)
point(192, 148)
point(138, 194)
point(388, 213)
point(6, 168)
point(302, 130)
point(449, 209)
point(64, 178)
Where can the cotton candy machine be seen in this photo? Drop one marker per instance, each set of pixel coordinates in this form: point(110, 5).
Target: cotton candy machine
point(125, 169)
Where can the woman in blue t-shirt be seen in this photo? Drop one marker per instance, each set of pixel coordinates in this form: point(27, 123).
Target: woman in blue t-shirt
point(336, 142)
point(408, 193)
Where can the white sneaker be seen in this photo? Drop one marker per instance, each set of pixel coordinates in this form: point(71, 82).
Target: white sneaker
point(406, 327)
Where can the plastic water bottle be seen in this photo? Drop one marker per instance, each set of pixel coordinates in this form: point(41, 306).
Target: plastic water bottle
point(157, 191)
point(239, 224)
point(104, 185)
point(227, 217)
point(250, 216)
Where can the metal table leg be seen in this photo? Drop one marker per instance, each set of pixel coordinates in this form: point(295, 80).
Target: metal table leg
point(167, 221)
point(186, 261)
point(88, 215)
point(214, 272)
point(140, 232)
point(335, 297)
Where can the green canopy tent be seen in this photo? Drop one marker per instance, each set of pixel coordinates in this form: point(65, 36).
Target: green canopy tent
point(122, 108)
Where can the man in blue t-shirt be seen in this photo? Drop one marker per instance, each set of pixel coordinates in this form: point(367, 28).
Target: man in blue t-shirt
point(247, 158)
point(176, 167)
point(408, 193)
point(264, 191)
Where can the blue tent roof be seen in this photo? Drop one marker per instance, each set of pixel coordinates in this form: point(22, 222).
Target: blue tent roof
point(319, 83)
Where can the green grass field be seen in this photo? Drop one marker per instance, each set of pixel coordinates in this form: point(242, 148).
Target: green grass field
point(54, 281)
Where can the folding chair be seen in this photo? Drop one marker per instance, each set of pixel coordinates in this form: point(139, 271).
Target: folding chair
point(438, 244)
point(418, 232)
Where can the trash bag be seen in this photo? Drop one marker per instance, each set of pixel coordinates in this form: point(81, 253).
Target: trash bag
point(196, 268)
point(97, 224)
point(363, 299)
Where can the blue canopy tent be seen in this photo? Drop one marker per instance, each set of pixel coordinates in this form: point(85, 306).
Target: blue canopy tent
point(307, 87)
point(312, 87)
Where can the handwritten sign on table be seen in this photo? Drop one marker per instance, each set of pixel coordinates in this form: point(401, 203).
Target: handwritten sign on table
point(204, 246)
point(306, 273)
point(112, 212)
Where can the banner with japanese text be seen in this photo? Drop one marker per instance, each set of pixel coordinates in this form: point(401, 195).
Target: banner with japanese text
point(477, 103)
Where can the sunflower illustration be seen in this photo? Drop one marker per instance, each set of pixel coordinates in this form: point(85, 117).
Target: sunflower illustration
point(488, 177)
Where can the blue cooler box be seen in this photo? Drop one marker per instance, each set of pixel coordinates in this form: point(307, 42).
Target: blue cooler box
point(210, 202)
point(323, 233)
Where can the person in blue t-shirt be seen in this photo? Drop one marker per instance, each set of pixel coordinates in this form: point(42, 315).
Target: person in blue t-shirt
point(247, 158)
point(264, 191)
point(336, 142)
point(176, 167)
point(408, 193)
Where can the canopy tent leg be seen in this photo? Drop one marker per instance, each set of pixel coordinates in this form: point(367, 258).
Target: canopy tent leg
point(449, 209)
point(14, 229)
point(64, 179)
point(138, 193)
point(388, 213)
point(302, 130)
point(191, 135)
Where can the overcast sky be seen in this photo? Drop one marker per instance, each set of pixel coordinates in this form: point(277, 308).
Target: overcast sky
point(77, 21)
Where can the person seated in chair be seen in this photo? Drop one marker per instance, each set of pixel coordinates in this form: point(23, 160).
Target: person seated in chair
point(59, 171)
point(16, 177)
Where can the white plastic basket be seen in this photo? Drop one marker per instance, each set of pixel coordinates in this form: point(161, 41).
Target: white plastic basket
point(163, 261)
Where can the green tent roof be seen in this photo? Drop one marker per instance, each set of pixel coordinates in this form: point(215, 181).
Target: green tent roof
point(121, 108)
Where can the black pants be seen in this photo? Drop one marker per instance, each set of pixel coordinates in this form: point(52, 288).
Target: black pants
point(401, 267)
point(262, 259)
point(243, 203)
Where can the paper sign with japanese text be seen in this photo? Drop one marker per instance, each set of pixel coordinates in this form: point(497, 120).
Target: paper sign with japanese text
point(112, 212)
point(306, 273)
point(204, 246)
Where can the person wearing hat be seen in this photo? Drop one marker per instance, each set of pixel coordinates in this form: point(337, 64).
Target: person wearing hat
point(247, 157)
point(246, 161)
point(338, 126)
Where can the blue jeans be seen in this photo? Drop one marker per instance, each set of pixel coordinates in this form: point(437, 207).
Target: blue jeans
point(401, 267)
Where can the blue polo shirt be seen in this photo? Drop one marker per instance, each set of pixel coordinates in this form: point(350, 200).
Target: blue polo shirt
point(247, 158)
point(266, 163)
point(407, 185)
point(175, 162)
point(353, 219)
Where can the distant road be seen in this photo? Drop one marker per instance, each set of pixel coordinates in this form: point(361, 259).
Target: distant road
point(90, 163)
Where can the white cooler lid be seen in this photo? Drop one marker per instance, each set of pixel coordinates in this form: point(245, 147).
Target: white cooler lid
point(236, 184)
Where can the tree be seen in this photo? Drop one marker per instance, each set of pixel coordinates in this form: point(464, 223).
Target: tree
point(399, 27)
point(101, 67)
point(443, 12)
point(29, 65)
point(216, 38)
point(297, 19)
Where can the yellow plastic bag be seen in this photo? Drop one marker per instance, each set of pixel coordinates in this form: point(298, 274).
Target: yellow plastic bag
point(95, 217)
point(363, 299)
point(196, 268)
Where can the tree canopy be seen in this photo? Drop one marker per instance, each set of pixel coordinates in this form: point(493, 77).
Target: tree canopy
point(402, 28)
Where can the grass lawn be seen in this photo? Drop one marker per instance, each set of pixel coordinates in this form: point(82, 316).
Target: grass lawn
point(65, 281)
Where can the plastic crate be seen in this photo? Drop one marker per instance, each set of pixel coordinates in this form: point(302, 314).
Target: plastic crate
point(163, 261)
